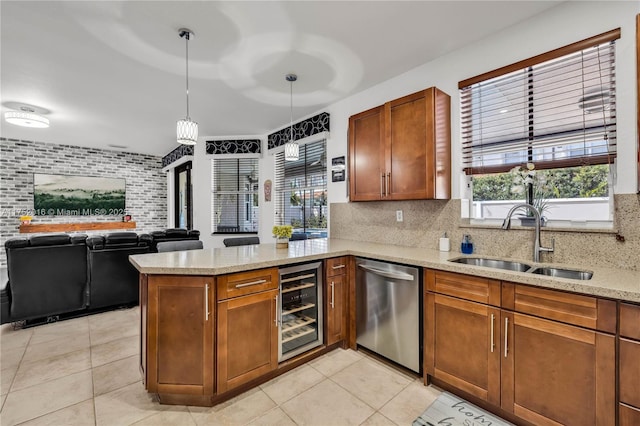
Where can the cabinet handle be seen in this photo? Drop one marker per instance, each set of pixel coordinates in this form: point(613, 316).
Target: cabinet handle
point(275, 317)
point(206, 301)
point(332, 294)
point(251, 283)
point(388, 185)
point(338, 266)
point(506, 336)
point(493, 344)
point(382, 191)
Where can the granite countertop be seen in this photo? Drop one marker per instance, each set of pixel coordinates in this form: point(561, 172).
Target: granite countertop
point(606, 282)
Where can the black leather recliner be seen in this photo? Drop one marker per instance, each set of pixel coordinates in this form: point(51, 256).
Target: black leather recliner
point(47, 276)
point(113, 280)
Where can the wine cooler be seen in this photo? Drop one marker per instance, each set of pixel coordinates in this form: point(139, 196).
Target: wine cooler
point(300, 304)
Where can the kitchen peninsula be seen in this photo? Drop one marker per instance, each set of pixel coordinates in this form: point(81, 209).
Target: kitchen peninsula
point(204, 314)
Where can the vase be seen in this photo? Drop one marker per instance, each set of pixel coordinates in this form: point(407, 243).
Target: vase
point(282, 243)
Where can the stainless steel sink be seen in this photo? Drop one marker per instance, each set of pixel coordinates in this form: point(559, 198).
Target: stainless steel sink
point(563, 273)
point(493, 263)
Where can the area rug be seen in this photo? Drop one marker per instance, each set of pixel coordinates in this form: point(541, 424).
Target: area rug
point(449, 410)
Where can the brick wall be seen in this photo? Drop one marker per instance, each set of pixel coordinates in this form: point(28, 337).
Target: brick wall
point(146, 193)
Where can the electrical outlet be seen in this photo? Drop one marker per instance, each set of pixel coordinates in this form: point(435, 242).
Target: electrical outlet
point(399, 217)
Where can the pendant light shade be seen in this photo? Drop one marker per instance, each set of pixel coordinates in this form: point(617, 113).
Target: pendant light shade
point(187, 129)
point(291, 148)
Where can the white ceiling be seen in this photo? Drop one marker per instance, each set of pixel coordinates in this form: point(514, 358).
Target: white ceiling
point(113, 73)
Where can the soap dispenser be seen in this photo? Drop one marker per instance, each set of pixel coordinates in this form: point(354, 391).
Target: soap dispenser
point(466, 247)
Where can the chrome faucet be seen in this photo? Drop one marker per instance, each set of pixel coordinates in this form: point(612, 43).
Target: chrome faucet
point(536, 215)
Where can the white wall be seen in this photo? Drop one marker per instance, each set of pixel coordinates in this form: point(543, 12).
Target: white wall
point(565, 24)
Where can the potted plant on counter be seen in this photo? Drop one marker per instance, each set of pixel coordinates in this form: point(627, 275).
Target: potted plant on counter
point(282, 234)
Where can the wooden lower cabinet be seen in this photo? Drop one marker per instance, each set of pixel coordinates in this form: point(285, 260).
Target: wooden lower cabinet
point(543, 371)
point(247, 338)
point(336, 287)
point(629, 365)
point(461, 342)
point(554, 373)
point(179, 335)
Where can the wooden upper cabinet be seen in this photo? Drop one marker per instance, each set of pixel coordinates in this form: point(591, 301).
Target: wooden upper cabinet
point(366, 155)
point(402, 150)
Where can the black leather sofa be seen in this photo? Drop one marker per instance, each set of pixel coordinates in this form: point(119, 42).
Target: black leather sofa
point(47, 276)
point(113, 280)
point(59, 276)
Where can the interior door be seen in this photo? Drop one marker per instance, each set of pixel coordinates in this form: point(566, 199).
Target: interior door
point(183, 196)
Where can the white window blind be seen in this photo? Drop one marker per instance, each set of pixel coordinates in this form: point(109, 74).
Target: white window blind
point(558, 112)
point(301, 190)
point(235, 195)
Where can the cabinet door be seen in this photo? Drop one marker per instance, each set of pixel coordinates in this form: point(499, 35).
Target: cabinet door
point(247, 338)
point(418, 157)
point(630, 372)
point(366, 155)
point(336, 313)
point(180, 335)
point(554, 373)
point(461, 345)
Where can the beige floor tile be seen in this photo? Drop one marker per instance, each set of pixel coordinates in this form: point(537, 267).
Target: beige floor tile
point(174, 416)
point(114, 350)
point(237, 411)
point(37, 372)
point(35, 401)
point(293, 383)
point(6, 378)
point(405, 407)
point(275, 417)
point(75, 415)
point(378, 419)
point(371, 382)
point(125, 406)
point(109, 320)
point(11, 339)
point(335, 361)
point(62, 330)
point(2, 399)
point(327, 404)
point(11, 357)
point(51, 348)
point(115, 375)
point(105, 335)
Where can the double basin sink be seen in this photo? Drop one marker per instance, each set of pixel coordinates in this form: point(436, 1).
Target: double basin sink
point(524, 267)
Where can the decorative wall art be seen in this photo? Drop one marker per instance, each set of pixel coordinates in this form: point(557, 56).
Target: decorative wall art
point(62, 195)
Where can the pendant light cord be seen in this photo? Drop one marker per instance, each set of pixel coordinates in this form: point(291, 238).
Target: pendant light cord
point(291, 105)
point(187, 43)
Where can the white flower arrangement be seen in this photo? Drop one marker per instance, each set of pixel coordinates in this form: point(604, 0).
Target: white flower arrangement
point(525, 178)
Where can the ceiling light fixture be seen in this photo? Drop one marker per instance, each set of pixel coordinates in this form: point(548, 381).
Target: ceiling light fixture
point(26, 118)
point(291, 148)
point(186, 129)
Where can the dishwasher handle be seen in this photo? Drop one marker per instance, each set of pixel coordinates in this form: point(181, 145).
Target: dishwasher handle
point(398, 275)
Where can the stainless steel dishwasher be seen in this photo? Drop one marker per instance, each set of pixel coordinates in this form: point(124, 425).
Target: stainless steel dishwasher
point(388, 311)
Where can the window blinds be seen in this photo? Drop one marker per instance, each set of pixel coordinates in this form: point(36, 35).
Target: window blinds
point(560, 112)
point(235, 195)
point(301, 188)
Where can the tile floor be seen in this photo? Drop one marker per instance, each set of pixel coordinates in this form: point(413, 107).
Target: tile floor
point(85, 372)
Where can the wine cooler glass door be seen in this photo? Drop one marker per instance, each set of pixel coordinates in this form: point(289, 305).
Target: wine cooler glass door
point(300, 309)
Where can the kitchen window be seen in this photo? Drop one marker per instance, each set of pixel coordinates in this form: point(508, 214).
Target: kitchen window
point(301, 190)
point(555, 112)
point(234, 195)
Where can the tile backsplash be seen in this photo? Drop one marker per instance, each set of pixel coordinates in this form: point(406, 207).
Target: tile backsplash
point(424, 222)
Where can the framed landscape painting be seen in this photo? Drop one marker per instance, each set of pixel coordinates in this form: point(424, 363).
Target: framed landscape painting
point(78, 195)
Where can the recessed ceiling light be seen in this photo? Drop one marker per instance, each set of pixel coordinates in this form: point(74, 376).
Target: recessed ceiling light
point(502, 111)
point(26, 118)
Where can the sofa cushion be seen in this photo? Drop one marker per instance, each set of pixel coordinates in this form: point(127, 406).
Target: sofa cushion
point(16, 243)
point(49, 240)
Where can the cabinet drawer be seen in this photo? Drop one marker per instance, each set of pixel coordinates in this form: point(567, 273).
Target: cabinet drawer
point(249, 282)
point(630, 321)
point(629, 372)
point(476, 289)
point(336, 266)
point(575, 309)
point(629, 416)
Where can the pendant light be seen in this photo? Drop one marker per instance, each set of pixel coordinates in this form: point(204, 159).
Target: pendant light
point(291, 148)
point(187, 130)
